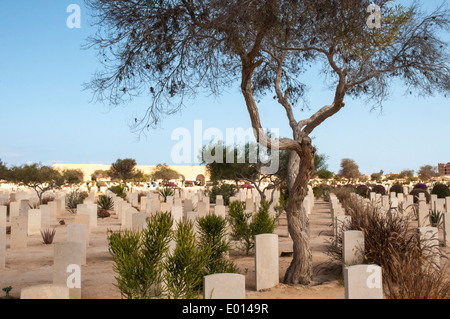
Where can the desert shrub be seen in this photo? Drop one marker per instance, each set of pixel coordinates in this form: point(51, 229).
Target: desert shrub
point(244, 227)
point(48, 236)
point(421, 186)
point(441, 190)
point(47, 199)
point(138, 258)
point(224, 189)
point(186, 266)
point(322, 191)
point(165, 192)
point(379, 189)
point(74, 198)
point(392, 243)
point(363, 191)
point(119, 190)
point(105, 202)
point(436, 218)
point(396, 188)
point(415, 192)
point(212, 231)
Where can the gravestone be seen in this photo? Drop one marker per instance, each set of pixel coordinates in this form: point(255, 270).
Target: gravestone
point(353, 247)
point(24, 207)
point(447, 204)
point(2, 247)
point(166, 207)
point(3, 214)
point(363, 282)
point(224, 286)
point(219, 210)
point(86, 220)
point(249, 205)
point(234, 199)
point(446, 225)
point(266, 261)
point(341, 222)
point(64, 255)
point(219, 200)
point(433, 201)
point(127, 218)
point(177, 215)
point(14, 209)
point(178, 202)
point(423, 212)
point(46, 291)
point(138, 221)
point(202, 209)
point(385, 201)
point(45, 216)
point(19, 230)
point(143, 203)
point(77, 233)
point(34, 222)
point(188, 206)
point(54, 210)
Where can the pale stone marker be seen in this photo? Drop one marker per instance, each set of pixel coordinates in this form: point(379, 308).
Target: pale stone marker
point(65, 254)
point(86, 220)
point(166, 207)
point(34, 222)
point(385, 201)
point(47, 291)
point(45, 216)
point(2, 247)
point(178, 202)
point(77, 233)
point(24, 207)
point(353, 247)
point(219, 200)
point(53, 210)
point(423, 212)
point(177, 215)
point(188, 206)
point(249, 205)
point(224, 286)
point(14, 209)
point(3, 214)
point(446, 224)
point(447, 204)
point(138, 221)
point(19, 230)
point(202, 208)
point(363, 282)
point(433, 201)
point(266, 261)
point(219, 210)
point(234, 199)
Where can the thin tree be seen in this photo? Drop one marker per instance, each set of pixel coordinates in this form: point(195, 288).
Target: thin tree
point(172, 50)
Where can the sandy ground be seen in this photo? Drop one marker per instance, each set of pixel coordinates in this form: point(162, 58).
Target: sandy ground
point(33, 265)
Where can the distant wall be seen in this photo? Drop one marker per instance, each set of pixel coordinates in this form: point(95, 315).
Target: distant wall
point(190, 173)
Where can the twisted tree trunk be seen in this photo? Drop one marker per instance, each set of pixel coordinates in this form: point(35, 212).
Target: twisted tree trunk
point(299, 172)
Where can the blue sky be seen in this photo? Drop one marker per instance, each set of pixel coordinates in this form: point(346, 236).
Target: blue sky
point(45, 116)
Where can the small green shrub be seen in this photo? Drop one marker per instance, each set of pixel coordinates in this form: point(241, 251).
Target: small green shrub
point(396, 188)
point(165, 192)
point(213, 231)
point(224, 189)
point(379, 189)
point(415, 192)
point(436, 218)
point(74, 198)
point(105, 202)
point(441, 190)
point(48, 236)
point(244, 227)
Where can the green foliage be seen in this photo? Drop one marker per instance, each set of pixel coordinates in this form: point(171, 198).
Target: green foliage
point(436, 218)
point(119, 190)
point(224, 189)
point(166, 191)
point(324, 174)
point(105, 202)
point(73, 176)
point(164, 172)
point(396, 188)
point(415, 192)
point(244, 226)
point(7, 291)
point(441, 190)
point(349, 169)
point(138, 258)
point(74, 198)
point(123, 169)
point(212, 231)
point(186, 266)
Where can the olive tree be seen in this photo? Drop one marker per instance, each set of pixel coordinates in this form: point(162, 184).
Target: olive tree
point(172, 50)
